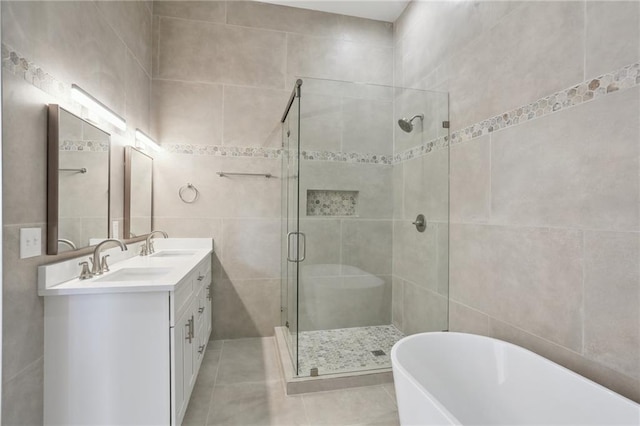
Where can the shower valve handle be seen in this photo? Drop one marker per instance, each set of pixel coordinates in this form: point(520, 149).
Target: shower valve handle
point(420, 223)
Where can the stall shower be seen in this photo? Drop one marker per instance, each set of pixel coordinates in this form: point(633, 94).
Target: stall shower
point(349, 227)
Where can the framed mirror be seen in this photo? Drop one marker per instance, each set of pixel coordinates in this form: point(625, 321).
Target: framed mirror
point(138, 192)
point(78, 176)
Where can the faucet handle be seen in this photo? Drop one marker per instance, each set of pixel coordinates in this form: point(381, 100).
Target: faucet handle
point(103, 264)
point(143, 249)
point(85, 274)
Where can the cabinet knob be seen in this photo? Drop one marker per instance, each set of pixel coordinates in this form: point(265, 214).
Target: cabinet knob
point(201, 277)
point(201, 349)
point(201, 310)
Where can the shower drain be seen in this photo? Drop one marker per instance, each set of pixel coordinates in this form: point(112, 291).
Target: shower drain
point(378, 352)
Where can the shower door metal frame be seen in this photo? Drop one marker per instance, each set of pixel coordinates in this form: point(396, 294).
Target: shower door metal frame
point(292, 236)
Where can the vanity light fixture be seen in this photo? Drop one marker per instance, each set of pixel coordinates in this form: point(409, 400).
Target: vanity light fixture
point(92, 104)
point(142, 137)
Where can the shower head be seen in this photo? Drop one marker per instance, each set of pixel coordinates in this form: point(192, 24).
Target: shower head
point(406, 124)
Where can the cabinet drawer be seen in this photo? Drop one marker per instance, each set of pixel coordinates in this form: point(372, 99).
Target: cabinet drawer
point(202, 270)
point(182, 296)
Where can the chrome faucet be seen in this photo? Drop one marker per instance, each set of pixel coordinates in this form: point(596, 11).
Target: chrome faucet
point(100, 265)
point(147, 248)
point(68, 243)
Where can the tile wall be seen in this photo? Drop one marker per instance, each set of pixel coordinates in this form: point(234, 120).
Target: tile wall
point(104, 47)
point(545, 173)
point(218, 108)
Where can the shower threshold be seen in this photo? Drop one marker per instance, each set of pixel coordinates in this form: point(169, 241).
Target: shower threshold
point(344, 358)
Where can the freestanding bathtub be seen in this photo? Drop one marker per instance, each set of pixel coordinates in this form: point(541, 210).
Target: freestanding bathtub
point(463, 379)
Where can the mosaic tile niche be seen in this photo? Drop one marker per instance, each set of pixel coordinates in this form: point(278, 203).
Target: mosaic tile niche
point(331, 203)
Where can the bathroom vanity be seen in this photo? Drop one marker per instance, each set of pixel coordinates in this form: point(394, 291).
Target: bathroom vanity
point(125, 347)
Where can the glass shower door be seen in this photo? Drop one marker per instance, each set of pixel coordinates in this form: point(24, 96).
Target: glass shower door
point(290, 228)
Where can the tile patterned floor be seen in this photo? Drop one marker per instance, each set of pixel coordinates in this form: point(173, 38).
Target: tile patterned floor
point(240, 384)
point(346, 349)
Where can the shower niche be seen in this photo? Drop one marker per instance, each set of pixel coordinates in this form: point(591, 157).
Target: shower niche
point(356, 275)
point(332, 203)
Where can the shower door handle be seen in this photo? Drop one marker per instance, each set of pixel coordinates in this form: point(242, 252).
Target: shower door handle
point(304, 247)
point(289, 235)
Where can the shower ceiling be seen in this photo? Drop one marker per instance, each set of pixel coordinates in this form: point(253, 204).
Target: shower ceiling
point(380, 10)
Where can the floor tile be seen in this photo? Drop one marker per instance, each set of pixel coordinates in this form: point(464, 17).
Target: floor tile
point(253, 404)
point(248, 360)
point(366, 405)
point(201, 396)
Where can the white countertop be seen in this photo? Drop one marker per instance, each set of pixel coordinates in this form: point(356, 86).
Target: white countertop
point(179, 267)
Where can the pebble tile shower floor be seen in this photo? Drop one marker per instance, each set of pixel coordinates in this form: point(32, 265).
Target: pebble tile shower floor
point(346, 349)
point(240, 384)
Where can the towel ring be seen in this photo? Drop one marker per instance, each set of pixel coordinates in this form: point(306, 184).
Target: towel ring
point(196, 193)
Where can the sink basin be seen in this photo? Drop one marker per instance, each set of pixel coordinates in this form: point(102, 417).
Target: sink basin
point(135, 274)
point(174, 253)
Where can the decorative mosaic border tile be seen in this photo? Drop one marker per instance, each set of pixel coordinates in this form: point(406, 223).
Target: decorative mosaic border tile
point(420, 150)
point(624, 78)
point(346, 157)
point(223, 151)
point(16, 64)
point(275, 153)
point(331, 203)
point(93, 146)
point(589, 90)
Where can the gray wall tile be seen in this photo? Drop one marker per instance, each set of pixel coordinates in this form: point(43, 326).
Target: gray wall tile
point(324, 240)
point(612, 300)
point(463, 319)
point(415, 254)
point(233, 196)
point(397, 313)
point(178, 105)
point(22, 397)
point(426, 186)
point(24, 136)
point(251, 248)
point(210, 11)
point(372, 181)
point(233, 55)
point(589, 180)
point(553, 31)
point(252, 116)
point(612, 36)
point(492, 268)
point(367, 126)
point(424, 310)
point(23, 310)
point(321, 122)
point(471, 181)
point(245, 308)
point(138, 95)
point(133, 23)
point(338, 60)
point(282, 18)
point(366, 244)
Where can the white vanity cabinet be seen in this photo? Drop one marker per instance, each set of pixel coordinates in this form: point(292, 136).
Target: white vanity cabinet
point(126, 355)
point(189, 339)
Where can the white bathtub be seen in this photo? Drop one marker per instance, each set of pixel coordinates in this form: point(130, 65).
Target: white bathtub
point(464, 379)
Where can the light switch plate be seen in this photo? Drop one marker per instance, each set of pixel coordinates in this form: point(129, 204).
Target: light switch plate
point(30, 242)
point(115, 229)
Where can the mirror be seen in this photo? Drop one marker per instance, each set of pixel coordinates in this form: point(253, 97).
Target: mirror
point(138, 187)
point(77, 182)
